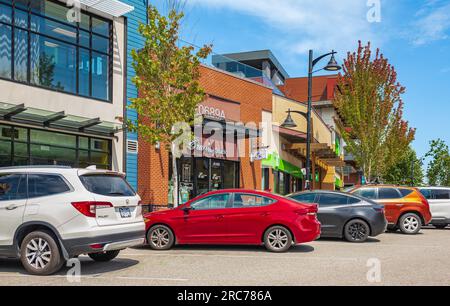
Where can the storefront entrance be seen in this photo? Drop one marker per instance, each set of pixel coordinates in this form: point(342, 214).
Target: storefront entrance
point(201, 175)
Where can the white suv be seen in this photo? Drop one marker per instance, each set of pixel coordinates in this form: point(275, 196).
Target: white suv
point(439, 199)
point(51, 214)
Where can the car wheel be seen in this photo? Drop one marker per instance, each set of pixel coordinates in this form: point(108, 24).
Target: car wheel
point(356, 231)
point(104, 256)
point(440, 226)
point(278, 239)
point(410, 224)
point(40, 254)
point(160, 238)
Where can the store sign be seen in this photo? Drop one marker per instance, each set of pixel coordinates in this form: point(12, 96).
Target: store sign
point(211, 112)
point(206, 148)
point(259, 154)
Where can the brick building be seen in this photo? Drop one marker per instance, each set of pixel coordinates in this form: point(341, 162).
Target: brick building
point(230, 98)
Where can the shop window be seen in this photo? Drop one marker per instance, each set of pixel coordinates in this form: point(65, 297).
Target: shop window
point(49, 51)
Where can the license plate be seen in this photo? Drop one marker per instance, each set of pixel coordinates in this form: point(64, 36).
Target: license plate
point(125, 212)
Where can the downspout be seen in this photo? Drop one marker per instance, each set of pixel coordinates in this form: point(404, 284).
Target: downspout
point(125, 97)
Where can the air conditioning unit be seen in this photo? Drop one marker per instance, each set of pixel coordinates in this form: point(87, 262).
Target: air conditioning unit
point(132, 147)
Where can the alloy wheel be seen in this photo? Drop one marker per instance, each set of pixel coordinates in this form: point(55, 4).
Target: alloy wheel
point(411, 224)
point(38, 253)
point(357, 231)
point(278, 239)
point(160, 238)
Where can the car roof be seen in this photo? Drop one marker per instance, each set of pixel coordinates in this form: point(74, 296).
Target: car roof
point(434, 188)
point(383, 186)
point(321, 191)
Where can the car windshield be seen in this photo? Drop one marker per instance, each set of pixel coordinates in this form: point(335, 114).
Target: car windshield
point(107, 185)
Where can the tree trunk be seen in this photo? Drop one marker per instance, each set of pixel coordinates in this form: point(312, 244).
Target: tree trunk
point(175, 194)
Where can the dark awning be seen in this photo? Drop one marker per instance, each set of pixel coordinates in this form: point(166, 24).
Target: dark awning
point(57, 120)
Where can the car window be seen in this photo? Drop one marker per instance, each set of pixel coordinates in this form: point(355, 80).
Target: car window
point(388, 193)
point(370, 193)
point(426, 193)
point(332, 199)
point(13, 187)
point(305, 197)
point(41, 185)
point(242, 200)
point(440, 194)
point(107, 185)
point(218, 201)
point(405, 192)
point(353, 200)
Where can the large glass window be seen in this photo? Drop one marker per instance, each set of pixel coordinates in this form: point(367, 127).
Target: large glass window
point(52, 52)
point(22, 146)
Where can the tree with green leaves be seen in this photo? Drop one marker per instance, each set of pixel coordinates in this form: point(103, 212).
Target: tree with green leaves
point(406, 171)
point(167, 79)
point(438, 171)
point(369, 100)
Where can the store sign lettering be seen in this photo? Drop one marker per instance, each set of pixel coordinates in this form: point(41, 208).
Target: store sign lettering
point(212, 112)
point(206, 148)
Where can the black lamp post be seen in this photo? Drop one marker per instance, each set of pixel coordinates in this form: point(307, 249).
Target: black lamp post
point(289, 122)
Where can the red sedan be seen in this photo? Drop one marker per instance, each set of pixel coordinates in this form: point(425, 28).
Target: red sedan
point(235, 217)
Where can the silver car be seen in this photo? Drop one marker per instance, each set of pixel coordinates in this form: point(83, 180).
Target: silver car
point(439, 199)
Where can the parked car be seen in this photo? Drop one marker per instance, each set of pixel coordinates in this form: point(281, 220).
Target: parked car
point(405, 207)
point(235, 217)
point(51, 214)
point(345, 216)
point(439, 199)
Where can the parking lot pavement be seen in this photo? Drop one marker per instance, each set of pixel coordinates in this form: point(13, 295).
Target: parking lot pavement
point(392, 258)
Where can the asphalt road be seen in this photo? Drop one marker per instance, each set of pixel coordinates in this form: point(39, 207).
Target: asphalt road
point(390, 259)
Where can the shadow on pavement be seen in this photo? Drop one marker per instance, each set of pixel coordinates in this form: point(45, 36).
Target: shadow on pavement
point(233, 248)
point(88, 267)
point(369, 240)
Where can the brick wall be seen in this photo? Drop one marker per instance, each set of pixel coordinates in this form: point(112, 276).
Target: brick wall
point(253, 98)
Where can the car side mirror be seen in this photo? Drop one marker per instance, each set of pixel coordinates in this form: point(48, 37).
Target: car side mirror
point(186, 209)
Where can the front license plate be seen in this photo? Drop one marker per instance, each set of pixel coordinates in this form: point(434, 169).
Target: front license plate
point(125, 212)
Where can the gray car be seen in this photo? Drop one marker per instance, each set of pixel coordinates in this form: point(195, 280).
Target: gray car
point(346, 216)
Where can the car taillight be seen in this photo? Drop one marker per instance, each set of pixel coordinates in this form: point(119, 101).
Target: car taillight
point(311, 210)
point(89, 208)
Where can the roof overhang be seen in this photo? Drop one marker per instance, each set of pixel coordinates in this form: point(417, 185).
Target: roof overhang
point(114, 8)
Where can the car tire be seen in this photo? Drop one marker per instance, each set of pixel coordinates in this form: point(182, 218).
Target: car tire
point(410, 224)
point(392, 228)
point(104, 256)
point(160, 238)
point(440, 226)
point(278, 239)
point(40, 254)
point(356, 231)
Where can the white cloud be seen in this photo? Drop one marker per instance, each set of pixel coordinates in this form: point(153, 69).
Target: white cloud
point(433, 23)
point(308, 24)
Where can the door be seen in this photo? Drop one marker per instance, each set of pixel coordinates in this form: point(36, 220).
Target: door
point(13, 193)
point(204, 223)
point(440, 204)
point(248, 217)
point(333, 209)
point(392, 201)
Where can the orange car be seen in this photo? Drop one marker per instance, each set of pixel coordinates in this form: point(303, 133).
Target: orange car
point(405, 207)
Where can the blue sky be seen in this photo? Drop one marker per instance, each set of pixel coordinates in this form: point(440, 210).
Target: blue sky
point(414, 35)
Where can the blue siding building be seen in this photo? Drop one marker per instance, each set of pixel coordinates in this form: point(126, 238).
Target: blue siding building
point(134, 41)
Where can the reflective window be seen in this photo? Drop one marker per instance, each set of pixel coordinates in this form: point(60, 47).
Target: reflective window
point(305, 197)
point(426, 193)
point(388, 193)
point(40, 185)
point(12, 187)
point(405, 192)
point(108, 185)
point(332, 199)
point(218, 201)
point(52, 52)
point(440, 194)
point(242, 200)
point(370, 193)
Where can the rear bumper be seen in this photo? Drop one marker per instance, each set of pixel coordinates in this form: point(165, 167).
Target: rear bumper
point(379, 227)
point(440, 221)
point(309, 230)
point(75, 247)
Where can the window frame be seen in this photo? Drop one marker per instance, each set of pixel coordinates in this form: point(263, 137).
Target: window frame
point(71, 189)
point(77, 45)
point(227, 205)
point(234, 194)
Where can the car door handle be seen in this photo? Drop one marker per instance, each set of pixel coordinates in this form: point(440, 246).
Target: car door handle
point(12, 207)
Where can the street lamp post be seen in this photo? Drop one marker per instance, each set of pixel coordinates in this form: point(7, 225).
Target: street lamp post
point(332, 66)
